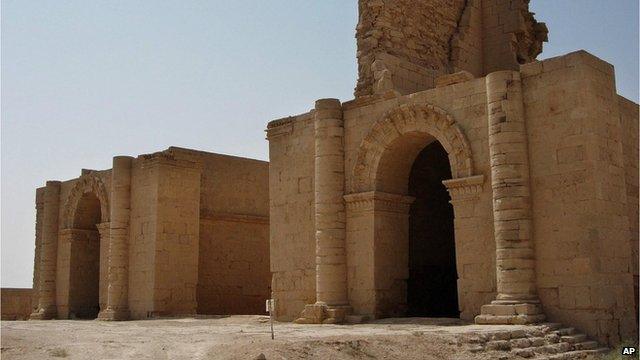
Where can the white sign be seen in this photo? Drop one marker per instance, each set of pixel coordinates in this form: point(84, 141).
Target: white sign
point(269, 305)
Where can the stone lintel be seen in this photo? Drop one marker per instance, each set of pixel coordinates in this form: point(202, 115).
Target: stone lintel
point(378, 201)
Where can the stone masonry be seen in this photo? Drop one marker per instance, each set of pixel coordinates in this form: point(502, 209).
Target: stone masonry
point(154, 236)
point(543, 192)
point(465, 179)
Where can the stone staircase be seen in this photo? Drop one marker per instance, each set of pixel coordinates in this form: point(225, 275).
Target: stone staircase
point(541, 341)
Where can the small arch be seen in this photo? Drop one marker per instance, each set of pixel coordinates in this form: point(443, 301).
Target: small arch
point(406, 130)
point(87, 188)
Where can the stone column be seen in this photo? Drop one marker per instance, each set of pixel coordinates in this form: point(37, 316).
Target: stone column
point(103, 230)
point(38, 247)
point(118, 269)
point(332, 301)
point(516, 301)
point(46, 308)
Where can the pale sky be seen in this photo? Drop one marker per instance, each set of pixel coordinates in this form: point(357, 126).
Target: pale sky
point(83, 81)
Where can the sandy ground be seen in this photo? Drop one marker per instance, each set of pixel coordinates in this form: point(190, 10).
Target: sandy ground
point(242, 337)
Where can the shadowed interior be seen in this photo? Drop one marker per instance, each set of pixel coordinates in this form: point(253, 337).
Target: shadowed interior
point(84, 274)
point(432, 283)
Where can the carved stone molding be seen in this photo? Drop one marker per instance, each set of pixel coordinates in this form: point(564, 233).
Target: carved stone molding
point(228, 217)
point(411, 118)
point(86, 184)
point(279, 128)
point(104, 229)
point(464, 189)
point(378, 201)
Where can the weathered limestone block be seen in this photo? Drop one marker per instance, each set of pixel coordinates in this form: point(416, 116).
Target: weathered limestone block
point(46, 308)
point(517, 300)
point(442, 37)
point(455, 78)
point(330, 217)
point(118, 265)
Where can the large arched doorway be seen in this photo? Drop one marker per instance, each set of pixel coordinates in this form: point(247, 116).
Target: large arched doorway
point(84, 269)
point(432, 283)
point(401, 239)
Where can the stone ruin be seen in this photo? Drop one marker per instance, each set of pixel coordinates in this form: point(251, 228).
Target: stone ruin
point(178, 232)
point(466, 179)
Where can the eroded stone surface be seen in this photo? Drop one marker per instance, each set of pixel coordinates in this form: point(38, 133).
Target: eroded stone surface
point(543, 175)
point(177, 232)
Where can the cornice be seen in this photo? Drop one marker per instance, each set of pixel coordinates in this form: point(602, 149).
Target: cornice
point(467, 188)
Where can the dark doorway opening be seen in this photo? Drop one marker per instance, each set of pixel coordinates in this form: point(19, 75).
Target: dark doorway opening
point(84, 274)
point(432, 285)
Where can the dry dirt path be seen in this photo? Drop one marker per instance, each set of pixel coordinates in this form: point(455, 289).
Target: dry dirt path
point(242, 337)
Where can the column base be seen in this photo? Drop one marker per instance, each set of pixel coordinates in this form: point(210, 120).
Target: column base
point(43, 314)
point(501, 312)
point(110, 314)
point(321, 313)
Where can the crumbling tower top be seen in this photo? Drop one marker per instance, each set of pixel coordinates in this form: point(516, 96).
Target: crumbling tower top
point(403, 45)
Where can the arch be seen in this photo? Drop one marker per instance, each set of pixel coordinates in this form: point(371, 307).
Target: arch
point(423, 121)
point(84, 185)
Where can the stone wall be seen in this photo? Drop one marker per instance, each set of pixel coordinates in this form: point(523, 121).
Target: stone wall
point(73, 216)
point(292, 224)
point(233, 273)
point(291, 186)
point(580, 218)
point(629, 120)
point(438, 37)
point(142, 236)
point(475, 247)
point(178, 202)
point(582, 142)
point(414, 31)
point(177, 236)
point(16, 303)
point(233, 268)
point(467, 43)
point(38, 244)
point(511, 35)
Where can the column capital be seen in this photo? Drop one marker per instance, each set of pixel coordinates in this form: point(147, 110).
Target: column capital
point(103, 228)
point(464, 189)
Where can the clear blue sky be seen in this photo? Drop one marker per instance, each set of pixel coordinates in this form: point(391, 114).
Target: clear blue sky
point(83, 81)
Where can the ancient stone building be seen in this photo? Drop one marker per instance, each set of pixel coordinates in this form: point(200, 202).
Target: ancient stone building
point(171, 233)
point(16, 303)
point(466, 179)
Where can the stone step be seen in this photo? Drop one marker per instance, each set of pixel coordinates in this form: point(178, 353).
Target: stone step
point(525, 353)
point(520, 343)
point(500, 345)
point(575, 338)
point(357, 319)
point(552, 338)
point(538, 341)
point(551, 326)
point(586, 345)
point(566, 331)
point(576, 354)
point(552, 349)
point(601, 350)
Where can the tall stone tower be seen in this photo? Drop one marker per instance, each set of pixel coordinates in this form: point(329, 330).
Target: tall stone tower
point(404, 45)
